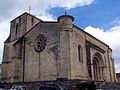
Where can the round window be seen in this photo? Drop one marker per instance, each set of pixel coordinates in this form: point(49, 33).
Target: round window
point(40, 43)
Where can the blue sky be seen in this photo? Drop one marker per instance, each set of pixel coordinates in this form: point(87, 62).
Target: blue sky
point(99, 14)
point(101, 18)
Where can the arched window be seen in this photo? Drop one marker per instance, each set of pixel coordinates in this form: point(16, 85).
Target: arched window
point(80, 53)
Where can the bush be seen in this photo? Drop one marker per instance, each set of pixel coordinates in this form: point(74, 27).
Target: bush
point(86, 86)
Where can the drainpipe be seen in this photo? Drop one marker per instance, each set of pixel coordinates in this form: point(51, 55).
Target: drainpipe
point(23, 59)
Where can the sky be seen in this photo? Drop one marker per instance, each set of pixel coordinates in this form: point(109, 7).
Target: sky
point(100, 18)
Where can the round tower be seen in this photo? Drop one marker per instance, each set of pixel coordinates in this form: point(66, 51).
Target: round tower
point(65, 45)
point(66, 21)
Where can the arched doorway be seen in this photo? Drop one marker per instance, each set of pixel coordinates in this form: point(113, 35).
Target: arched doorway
point(98, 67)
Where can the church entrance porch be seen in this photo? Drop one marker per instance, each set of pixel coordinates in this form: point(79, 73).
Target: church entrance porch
point(98, 67)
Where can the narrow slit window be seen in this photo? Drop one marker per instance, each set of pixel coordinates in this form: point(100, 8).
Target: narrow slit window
point(19, 20)
point(32, 21)
point(80, 53)
point(16, 29)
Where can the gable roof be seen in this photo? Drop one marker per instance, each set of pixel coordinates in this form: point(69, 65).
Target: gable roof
point(92, 36)
point(27, 14)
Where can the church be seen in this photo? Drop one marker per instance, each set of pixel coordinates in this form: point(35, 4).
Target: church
point(38, 50)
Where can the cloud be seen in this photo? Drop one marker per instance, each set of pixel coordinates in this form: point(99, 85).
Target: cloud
point(9, 8)
point(116, 21)
point(4, 33)
point(110, 37)
point(68, 4)
point(15, 7)
point(47, 17)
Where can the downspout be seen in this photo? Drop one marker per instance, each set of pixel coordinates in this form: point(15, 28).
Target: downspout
point(23, 59)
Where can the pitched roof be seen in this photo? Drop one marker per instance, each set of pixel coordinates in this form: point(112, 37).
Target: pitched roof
point(27, 14)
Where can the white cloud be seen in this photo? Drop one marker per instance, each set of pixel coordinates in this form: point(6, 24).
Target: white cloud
point(116, 21)
point(68, 4)
point(11, 7)
point(46, 17)
point(4, 33)
point(117, 67)
point(110, 37)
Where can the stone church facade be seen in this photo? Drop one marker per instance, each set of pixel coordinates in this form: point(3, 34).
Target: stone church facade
point(39, 50)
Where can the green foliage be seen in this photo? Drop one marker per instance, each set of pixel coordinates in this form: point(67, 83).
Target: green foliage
point(86, 86)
